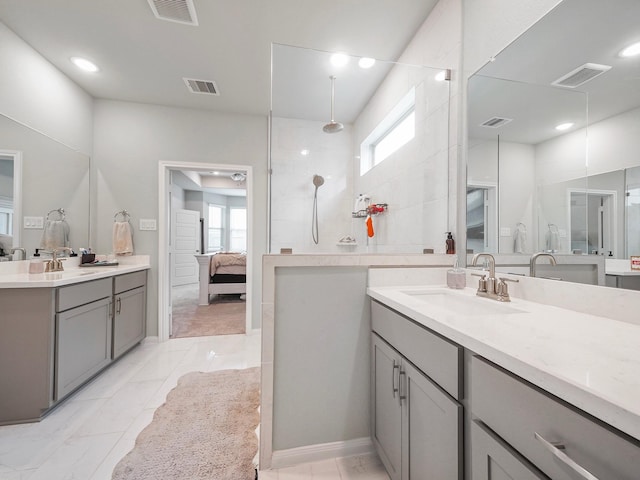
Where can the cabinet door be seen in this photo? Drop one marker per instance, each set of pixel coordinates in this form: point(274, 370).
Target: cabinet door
point(386, 409)
point(431, 429)
point(83, 345)
point(492, 459)
point(129, 321)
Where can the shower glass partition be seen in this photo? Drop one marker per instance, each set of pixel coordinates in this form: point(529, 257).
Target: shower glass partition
point(410, 101)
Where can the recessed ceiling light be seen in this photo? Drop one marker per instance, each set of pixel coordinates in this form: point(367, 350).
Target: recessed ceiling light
point(216, 173)
point(304, 152)
point(339, 59)
point(366, 62)
point(631, 50)
point(441, 76)
point(564, 126)
point(84, 64)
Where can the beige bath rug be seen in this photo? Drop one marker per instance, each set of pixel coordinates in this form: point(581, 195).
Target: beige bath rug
point(205, 430)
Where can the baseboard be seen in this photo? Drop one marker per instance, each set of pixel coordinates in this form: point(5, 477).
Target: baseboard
point(255, 331)
point(152, 339)
point(322, 451)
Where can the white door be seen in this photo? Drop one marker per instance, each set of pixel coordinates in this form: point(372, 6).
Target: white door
point(185, 228)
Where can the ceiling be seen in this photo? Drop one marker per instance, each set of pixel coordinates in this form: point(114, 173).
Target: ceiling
point(574, 33)
point(144, 59)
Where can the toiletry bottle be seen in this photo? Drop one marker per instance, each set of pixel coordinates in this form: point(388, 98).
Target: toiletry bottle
point(451, 245)
point(456, 277)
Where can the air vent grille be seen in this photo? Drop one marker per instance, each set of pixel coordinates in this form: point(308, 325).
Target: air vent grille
point(206, 87)
point(581, 75)
point(496, 122)
point(181, 11)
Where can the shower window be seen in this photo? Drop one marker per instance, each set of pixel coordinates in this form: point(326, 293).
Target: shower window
point(395, 131)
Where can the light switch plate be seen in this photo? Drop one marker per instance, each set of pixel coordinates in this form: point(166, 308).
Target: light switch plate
point(34, 223)
point(505, 231)
point(562, 233)
point(148, 224)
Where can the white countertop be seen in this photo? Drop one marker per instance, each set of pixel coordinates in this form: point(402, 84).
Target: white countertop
point(15, 274)
point(589, 361)
point(620, 268)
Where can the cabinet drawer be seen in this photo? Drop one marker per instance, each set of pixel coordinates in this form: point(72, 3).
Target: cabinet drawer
point(437, 357)
point(82, 293)
point(525, 416)
point(129, 281)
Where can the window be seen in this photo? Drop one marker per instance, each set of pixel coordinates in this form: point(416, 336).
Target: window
point(215, 228)
point(238, 229)
point(395, 131)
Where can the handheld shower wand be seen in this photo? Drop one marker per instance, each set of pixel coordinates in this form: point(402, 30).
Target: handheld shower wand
point(318, 181)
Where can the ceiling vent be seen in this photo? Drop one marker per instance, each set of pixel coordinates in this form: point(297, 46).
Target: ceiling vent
point(201, 86)
point(581, 75)
point(181, 11)
point(496, 122)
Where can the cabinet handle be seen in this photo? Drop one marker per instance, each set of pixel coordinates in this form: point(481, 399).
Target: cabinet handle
point(119, 307)
point(403, 393)
point(556, 449)
point(110, 308)
point(393, 378)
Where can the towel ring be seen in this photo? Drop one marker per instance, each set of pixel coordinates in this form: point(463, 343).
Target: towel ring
point(59, 211)
point(125, 216)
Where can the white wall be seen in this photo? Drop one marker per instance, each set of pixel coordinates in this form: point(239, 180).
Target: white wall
point(331, 157)
point(35, 93)
point(131, 139)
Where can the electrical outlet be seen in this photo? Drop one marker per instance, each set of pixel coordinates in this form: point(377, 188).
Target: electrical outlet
point(34, 223)
point(148, 224)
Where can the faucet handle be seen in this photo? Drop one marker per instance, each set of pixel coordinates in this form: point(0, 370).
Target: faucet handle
point(482, 283)
point(503, 289)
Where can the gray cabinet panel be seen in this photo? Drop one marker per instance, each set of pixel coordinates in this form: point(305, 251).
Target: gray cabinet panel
point(82, 293)
point(83, 346)
point(516, 411)
point(432, 429)
point(129, 320)
point(493, 459)
point(129, 281)
point(436, 356)
point(386, 408)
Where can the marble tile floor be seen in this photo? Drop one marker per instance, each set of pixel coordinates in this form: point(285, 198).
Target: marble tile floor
point(87, 435)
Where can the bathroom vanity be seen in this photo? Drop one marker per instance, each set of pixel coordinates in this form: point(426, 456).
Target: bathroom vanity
point(60, 329)
point(505, 390)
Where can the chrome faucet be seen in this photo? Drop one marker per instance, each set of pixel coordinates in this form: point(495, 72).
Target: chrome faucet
point(55, 264)
point(19, 249)
point(534, 258)
point(489, 287)
point(491, 281)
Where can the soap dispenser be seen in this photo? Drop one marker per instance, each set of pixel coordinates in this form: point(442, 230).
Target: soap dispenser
point(456, 276)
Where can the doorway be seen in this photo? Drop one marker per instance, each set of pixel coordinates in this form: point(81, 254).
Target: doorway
point(185, 192)
point(482, 218)
point(592, 217)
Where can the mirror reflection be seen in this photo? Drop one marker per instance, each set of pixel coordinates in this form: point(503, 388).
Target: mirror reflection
point(552, 138)
point(53, 177)
point(372, 185)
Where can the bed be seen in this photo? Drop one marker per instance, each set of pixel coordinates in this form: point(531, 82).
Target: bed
point(221, 273)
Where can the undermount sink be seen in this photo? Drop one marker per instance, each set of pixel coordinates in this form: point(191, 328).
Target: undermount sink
point(461, 304)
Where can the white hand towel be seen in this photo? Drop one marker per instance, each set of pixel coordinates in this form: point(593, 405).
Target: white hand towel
point(122, 238)
point(55, 235)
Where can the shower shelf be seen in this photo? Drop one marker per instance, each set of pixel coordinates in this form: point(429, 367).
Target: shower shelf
point(373, 209)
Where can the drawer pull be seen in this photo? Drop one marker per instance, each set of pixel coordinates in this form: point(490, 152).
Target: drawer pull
point(566, 459)
point(403, 395)
point(393, 378)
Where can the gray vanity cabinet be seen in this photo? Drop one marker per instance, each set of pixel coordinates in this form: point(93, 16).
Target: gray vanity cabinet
point(129, 317)
point(83, 334)
point(416, 424)
point(493, 459)
point(560, 440)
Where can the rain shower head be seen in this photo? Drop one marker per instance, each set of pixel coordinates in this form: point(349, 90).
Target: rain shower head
point(318, 180)
point(332, 126)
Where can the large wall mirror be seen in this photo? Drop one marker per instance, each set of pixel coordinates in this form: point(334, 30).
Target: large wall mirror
point(392, 150)
point(553, 137)
point(39, 175)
